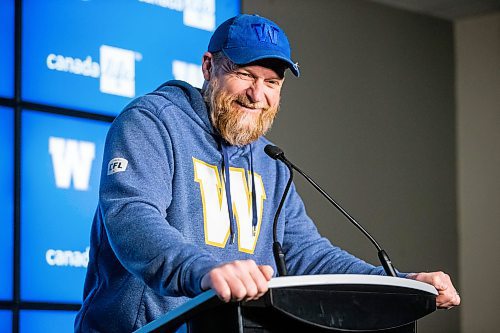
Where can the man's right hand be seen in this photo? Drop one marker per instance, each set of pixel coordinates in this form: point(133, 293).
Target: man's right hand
point(240, 280)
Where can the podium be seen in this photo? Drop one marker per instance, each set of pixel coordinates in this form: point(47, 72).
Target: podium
point(313, 303)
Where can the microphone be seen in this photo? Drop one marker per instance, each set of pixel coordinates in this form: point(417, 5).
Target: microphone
point(277, 154)
point(279, 257)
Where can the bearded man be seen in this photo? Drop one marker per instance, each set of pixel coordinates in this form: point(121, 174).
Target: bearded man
point(188, 196)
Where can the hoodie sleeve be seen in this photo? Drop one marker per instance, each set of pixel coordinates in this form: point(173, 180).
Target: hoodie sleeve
point(307, 252)
point(134, 204)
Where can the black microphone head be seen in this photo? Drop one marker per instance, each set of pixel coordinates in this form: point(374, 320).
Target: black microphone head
point(273, 151)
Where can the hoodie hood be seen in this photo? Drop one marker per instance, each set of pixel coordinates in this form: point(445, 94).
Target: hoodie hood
point(188, 99)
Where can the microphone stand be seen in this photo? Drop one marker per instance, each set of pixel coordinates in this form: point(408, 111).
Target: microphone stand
point(279, 256)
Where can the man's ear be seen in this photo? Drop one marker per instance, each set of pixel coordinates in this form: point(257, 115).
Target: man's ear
point(206, 65)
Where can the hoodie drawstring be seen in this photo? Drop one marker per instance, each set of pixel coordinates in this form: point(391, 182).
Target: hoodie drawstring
point(227, 187)
point(254, 201)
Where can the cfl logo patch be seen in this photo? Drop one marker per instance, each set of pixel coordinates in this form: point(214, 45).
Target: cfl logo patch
point(117, 165)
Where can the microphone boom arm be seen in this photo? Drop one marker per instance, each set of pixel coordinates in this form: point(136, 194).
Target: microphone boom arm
point(382, 255)
point(278, 154)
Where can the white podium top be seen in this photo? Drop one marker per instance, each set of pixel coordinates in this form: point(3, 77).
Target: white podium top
point(310, 280)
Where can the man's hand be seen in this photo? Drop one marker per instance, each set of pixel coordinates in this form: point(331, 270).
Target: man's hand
point(448, 296)
point(238, 280)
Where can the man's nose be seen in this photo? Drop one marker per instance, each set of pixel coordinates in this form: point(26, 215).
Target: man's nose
point(255, 92)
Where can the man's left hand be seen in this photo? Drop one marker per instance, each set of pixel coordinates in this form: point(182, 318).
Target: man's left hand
point(448, 296)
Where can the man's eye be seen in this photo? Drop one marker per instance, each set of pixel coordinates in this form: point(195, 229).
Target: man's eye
point(274, 84)
point(244, 76)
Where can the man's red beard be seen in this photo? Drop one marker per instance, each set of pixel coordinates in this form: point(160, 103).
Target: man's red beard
point(238, 127)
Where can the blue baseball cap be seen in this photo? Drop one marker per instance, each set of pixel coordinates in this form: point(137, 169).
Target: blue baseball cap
point(248, 38)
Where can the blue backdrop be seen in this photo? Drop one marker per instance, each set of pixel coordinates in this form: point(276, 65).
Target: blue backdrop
point(92, 56)
point(62, 157)
point(98, 55)
point(46, 321)
point(6, 201)
point(5, 321)
point(7, 47)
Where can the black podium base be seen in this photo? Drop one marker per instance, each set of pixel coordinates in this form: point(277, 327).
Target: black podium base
point(231, 318)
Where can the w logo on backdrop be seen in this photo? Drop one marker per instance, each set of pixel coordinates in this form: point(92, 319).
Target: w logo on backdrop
point(266, 33)
point(72, 162)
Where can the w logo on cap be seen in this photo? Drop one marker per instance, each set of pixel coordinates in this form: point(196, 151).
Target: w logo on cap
point(266, 33)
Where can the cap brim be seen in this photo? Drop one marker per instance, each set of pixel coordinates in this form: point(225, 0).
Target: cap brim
point(246, 55)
